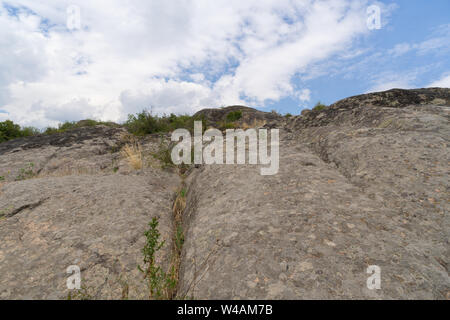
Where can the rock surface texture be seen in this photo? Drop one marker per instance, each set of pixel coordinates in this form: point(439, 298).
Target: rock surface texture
point(363, 182)
point(83, 206)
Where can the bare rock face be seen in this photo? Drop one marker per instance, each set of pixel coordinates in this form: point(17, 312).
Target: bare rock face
point(362, 183)
point(78, 151)
point(81, 205)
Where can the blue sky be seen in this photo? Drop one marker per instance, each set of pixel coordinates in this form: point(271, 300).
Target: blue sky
point(411, 22)
point(70, 60)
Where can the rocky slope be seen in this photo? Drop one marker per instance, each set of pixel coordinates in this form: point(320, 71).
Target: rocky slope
point(363, 182)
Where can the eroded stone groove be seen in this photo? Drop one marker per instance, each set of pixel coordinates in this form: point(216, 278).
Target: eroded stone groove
point(29, 206)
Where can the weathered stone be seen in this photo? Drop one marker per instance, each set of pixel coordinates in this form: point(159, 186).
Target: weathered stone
point(94, 219)
point(362, 182)
point(335, 208)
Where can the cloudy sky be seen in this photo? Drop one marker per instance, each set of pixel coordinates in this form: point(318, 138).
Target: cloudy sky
point(180, 56)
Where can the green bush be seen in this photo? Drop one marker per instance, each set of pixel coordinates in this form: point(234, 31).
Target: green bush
point(9, 130)
point(319, 106)
point(234, 116)
point(50, 130)
point(141, 124)
point(164, 154)
point(146, 123)
point(68, 125)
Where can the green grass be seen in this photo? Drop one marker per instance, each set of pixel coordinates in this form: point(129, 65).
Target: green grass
point(81, 294)
point(26, 173)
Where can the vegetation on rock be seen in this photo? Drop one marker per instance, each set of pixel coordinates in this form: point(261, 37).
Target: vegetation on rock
point(319, 106)
point(146, 123)
point(9, 130)
point(161, 284)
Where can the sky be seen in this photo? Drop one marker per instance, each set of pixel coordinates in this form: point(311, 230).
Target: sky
point(72, 60)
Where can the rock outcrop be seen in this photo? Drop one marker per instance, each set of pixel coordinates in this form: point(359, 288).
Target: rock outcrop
point(360, 184)
point(79, 204)
point(363, 182)
point(249, 117)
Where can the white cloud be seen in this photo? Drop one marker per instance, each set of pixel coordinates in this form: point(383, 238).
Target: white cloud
point(304, 95)
point(176, 56)
point(400, 49)
point(437, 43)
point(163, 96)
point(395, 84)
point(390, 80)
point(444, 82)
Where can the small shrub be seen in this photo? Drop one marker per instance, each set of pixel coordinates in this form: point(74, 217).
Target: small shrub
point(66, 126)
point(133, 153)
point(9, 130)
point(319, 107)
point(234, 116)
point(161, 284)
point(164, 154)
point(288, 115)
point(275, 112)
point(305, 112)
point(26, 173)
point(142, 123)
point(50, 130)
point(30, 131)
point(69, 125)
point(146, 123)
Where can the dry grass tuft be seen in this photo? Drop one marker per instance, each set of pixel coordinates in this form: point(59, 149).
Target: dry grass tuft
point(133, 153)
point(178, 239)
